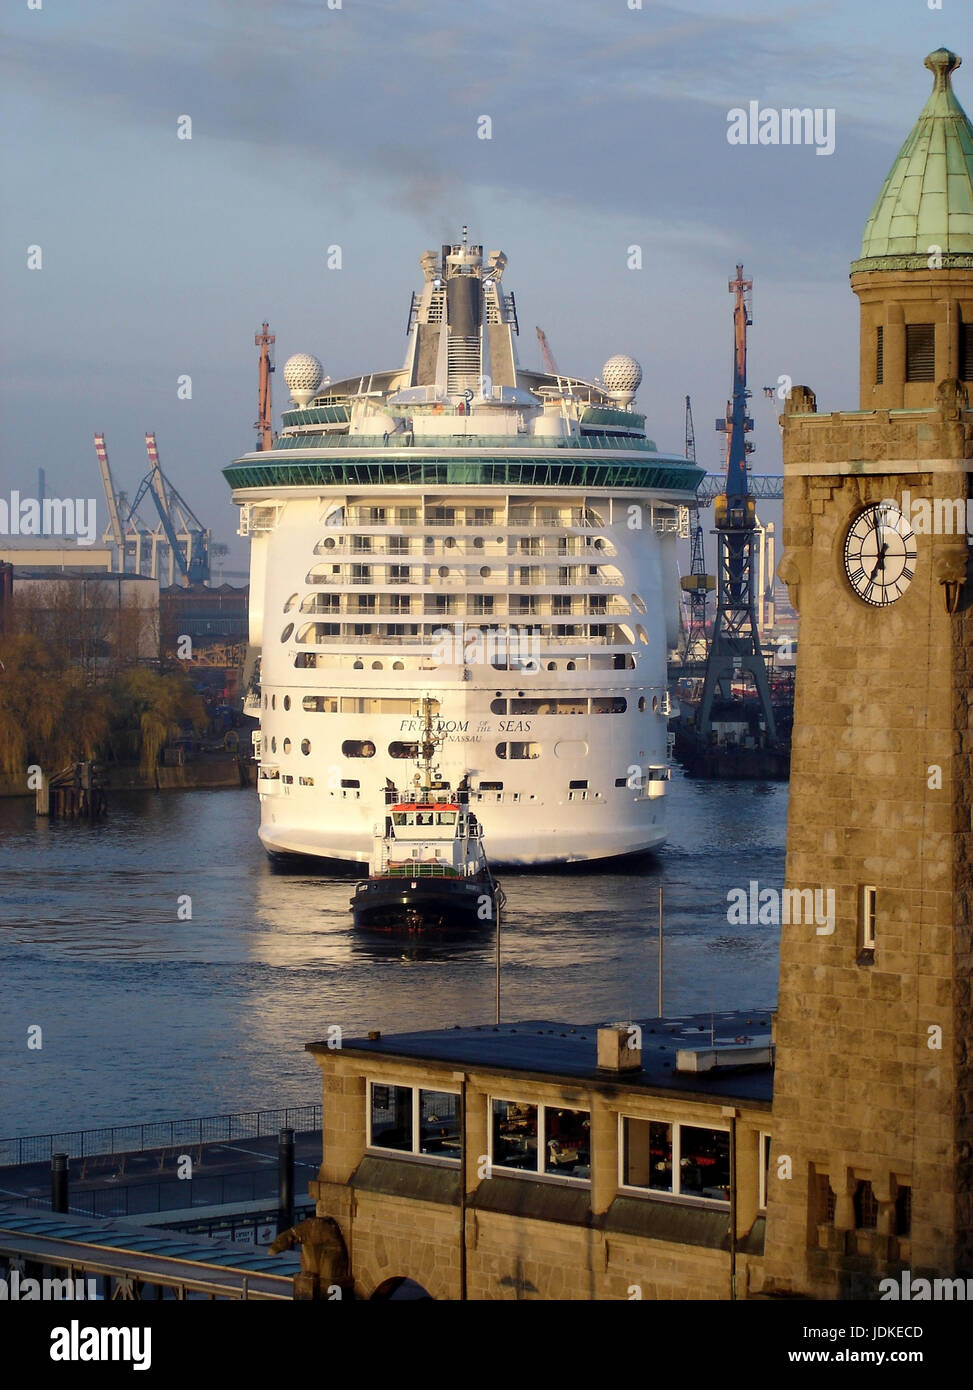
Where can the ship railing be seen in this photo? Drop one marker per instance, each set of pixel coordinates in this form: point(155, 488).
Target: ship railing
point(419, 869)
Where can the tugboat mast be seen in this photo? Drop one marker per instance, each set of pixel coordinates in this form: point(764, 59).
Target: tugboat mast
point(428, 745)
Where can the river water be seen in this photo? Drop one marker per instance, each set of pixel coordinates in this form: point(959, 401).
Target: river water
point(146, 1014)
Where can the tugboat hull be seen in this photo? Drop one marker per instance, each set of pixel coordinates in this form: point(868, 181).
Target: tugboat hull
point(403, 904)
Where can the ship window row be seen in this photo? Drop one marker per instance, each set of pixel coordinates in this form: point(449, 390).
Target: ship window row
point(423, 660)
point(507, 546)
point(598, 704)
point(499, 470)
point(287, 747)
point(427, 636)
point(447, 606)
point(520, 576)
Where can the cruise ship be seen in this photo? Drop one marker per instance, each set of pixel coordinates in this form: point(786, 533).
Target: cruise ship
point(498, 540)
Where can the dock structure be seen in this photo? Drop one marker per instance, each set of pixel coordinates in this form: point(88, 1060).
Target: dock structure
point(78, 792)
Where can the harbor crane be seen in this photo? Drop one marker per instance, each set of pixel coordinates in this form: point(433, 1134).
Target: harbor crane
point(188, 538)
point(735, 646)
point(264, 426)
point(697, 583)
point(550, 366)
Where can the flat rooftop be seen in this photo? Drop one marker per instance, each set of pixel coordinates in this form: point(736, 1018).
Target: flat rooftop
point(547, 1050)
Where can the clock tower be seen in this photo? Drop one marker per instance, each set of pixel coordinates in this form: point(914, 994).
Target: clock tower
point(871, 1165)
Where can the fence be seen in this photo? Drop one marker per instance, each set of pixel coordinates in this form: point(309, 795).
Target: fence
point(159, 1134)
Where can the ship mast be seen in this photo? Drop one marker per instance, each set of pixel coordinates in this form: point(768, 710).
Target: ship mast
point(428, 744)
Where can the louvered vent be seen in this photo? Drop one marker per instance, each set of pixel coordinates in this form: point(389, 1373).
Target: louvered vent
point(920, 352)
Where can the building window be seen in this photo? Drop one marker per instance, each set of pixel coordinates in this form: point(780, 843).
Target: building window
point(903, 1211)
point(679, 1160)
point(866, 1207)
point(541, 1139)
point(825, 1200)
point(880, 355)
point(413, 1120)
point(866, 925)
point(763, 1169)
point(920, 351)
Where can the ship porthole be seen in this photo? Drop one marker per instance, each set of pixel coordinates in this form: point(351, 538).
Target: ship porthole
point(571, 666)
point(273, 702)
point(290, 603)
point(398, 665)
point(376, 666)
point(305, 746)
point(641, 703)
point(273, 745)
point(287, 632)
point(552, 665)
point(358, 666)
point(642, 634)
point(485, 571)
point(443, 571)
point(638, 603)
point(655, 704)
point(286, 745)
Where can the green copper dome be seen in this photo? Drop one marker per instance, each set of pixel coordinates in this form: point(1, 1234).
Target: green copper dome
point(927, 199)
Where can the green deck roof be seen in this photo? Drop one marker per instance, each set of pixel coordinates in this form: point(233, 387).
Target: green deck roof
point(927, 198)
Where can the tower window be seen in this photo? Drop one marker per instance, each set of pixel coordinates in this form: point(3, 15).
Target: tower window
point(880, 355)
point(903, 1211)
point(866, 924)
point(866, 1207)
point(920, 351)
point(966, 352)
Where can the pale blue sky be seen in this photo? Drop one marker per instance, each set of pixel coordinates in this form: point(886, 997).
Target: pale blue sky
point(357, 126)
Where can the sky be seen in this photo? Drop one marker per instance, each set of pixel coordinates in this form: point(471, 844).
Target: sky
point(357, 126)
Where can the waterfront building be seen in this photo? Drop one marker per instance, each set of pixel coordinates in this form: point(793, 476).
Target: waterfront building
point(544, 1160)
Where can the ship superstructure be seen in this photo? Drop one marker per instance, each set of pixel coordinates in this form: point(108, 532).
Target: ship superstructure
point(497, 540)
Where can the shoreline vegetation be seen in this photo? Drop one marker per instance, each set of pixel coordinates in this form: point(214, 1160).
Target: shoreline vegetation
point(76, 685)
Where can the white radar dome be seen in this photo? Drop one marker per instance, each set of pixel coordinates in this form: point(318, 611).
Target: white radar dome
point(621, 377)
point(303, 375)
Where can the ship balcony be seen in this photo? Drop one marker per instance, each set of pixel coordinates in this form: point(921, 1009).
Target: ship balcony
point(428, 641)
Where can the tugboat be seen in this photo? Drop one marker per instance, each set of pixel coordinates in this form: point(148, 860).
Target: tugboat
point(428, 870)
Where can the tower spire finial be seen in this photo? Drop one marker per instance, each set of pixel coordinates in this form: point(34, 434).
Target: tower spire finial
point(942, 64)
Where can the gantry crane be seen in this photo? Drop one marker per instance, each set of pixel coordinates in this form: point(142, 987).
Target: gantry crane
point(114, 528)
point(697, 583)
point(735, 646)
point(188, 538)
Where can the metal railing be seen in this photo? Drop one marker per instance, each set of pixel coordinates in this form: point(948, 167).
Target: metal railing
point(158, 1134)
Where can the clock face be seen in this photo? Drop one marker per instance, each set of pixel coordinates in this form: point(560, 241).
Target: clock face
point(880, 554)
